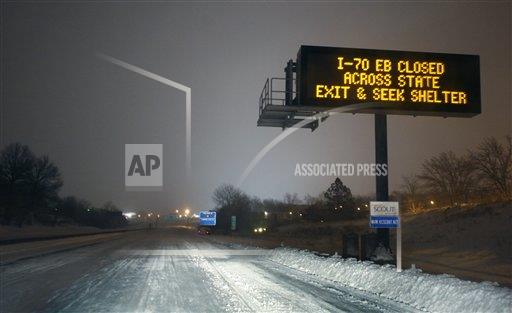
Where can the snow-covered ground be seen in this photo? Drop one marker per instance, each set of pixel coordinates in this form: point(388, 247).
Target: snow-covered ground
point(472, 243)
point(435, 293)
point(175, 270)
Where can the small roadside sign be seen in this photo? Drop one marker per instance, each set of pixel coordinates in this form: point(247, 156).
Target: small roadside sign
point(207, 218)
point(233, 222)
point(384, 214)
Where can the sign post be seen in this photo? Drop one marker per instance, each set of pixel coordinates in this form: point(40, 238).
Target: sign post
point(385, 215)
point(399, 249)
point(381, 181)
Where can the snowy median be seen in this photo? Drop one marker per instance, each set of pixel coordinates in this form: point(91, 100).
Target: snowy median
point(434, 293)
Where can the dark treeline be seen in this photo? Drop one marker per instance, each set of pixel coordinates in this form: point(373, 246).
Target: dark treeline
point(483, 175)
point(29, 193)
point(336, 203)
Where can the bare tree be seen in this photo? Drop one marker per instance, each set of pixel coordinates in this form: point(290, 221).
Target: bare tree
point(493, 161)
point(273, 205)
point(75, 208)
point(291, 198)
point(411, 188)
point(27, 183)
point(256, 204)
point(43, 181)
point(16, 160)
point(110, 206)
point(226, 195)
point(231, 201)
point(450, 175)
point(309, 199)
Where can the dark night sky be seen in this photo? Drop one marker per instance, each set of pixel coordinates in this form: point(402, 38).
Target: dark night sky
point(62, 100)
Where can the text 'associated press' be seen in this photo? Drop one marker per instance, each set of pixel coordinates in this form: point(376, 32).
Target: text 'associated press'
point(340, 169)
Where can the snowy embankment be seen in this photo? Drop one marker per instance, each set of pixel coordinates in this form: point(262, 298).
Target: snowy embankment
point(434, 293)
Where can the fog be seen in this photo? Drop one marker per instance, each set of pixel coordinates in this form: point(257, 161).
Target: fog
point(62, 100)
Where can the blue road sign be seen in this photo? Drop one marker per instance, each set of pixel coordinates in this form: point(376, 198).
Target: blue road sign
point(384, 221)
point(207, 218)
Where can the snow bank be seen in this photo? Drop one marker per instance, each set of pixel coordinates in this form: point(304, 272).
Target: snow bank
point(434, 293)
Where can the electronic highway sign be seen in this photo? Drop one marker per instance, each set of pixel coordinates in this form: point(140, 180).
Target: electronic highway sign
point(389, 82)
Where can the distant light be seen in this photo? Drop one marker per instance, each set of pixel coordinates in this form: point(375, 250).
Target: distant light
point(291, 213)
point(138, 215)
point(196, 215)
point(255, 230)
point(432, 202)
point(359, 209)
point(300, 214)
point(266, 213)
point(129, 214)
point(177, 211)
point(187, 212)
point(158, 215)
point(180, 215)
point(366, 205)
point(260, 229)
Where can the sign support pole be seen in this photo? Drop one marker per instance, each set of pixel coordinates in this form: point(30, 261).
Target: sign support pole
point(381, 157)
point(399, 247)
point(288, 70)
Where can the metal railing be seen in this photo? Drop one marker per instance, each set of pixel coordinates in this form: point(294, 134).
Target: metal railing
point(274, 93)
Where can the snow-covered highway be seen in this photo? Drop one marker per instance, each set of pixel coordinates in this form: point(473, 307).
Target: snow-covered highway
point(145, 272)
point(175, 270)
